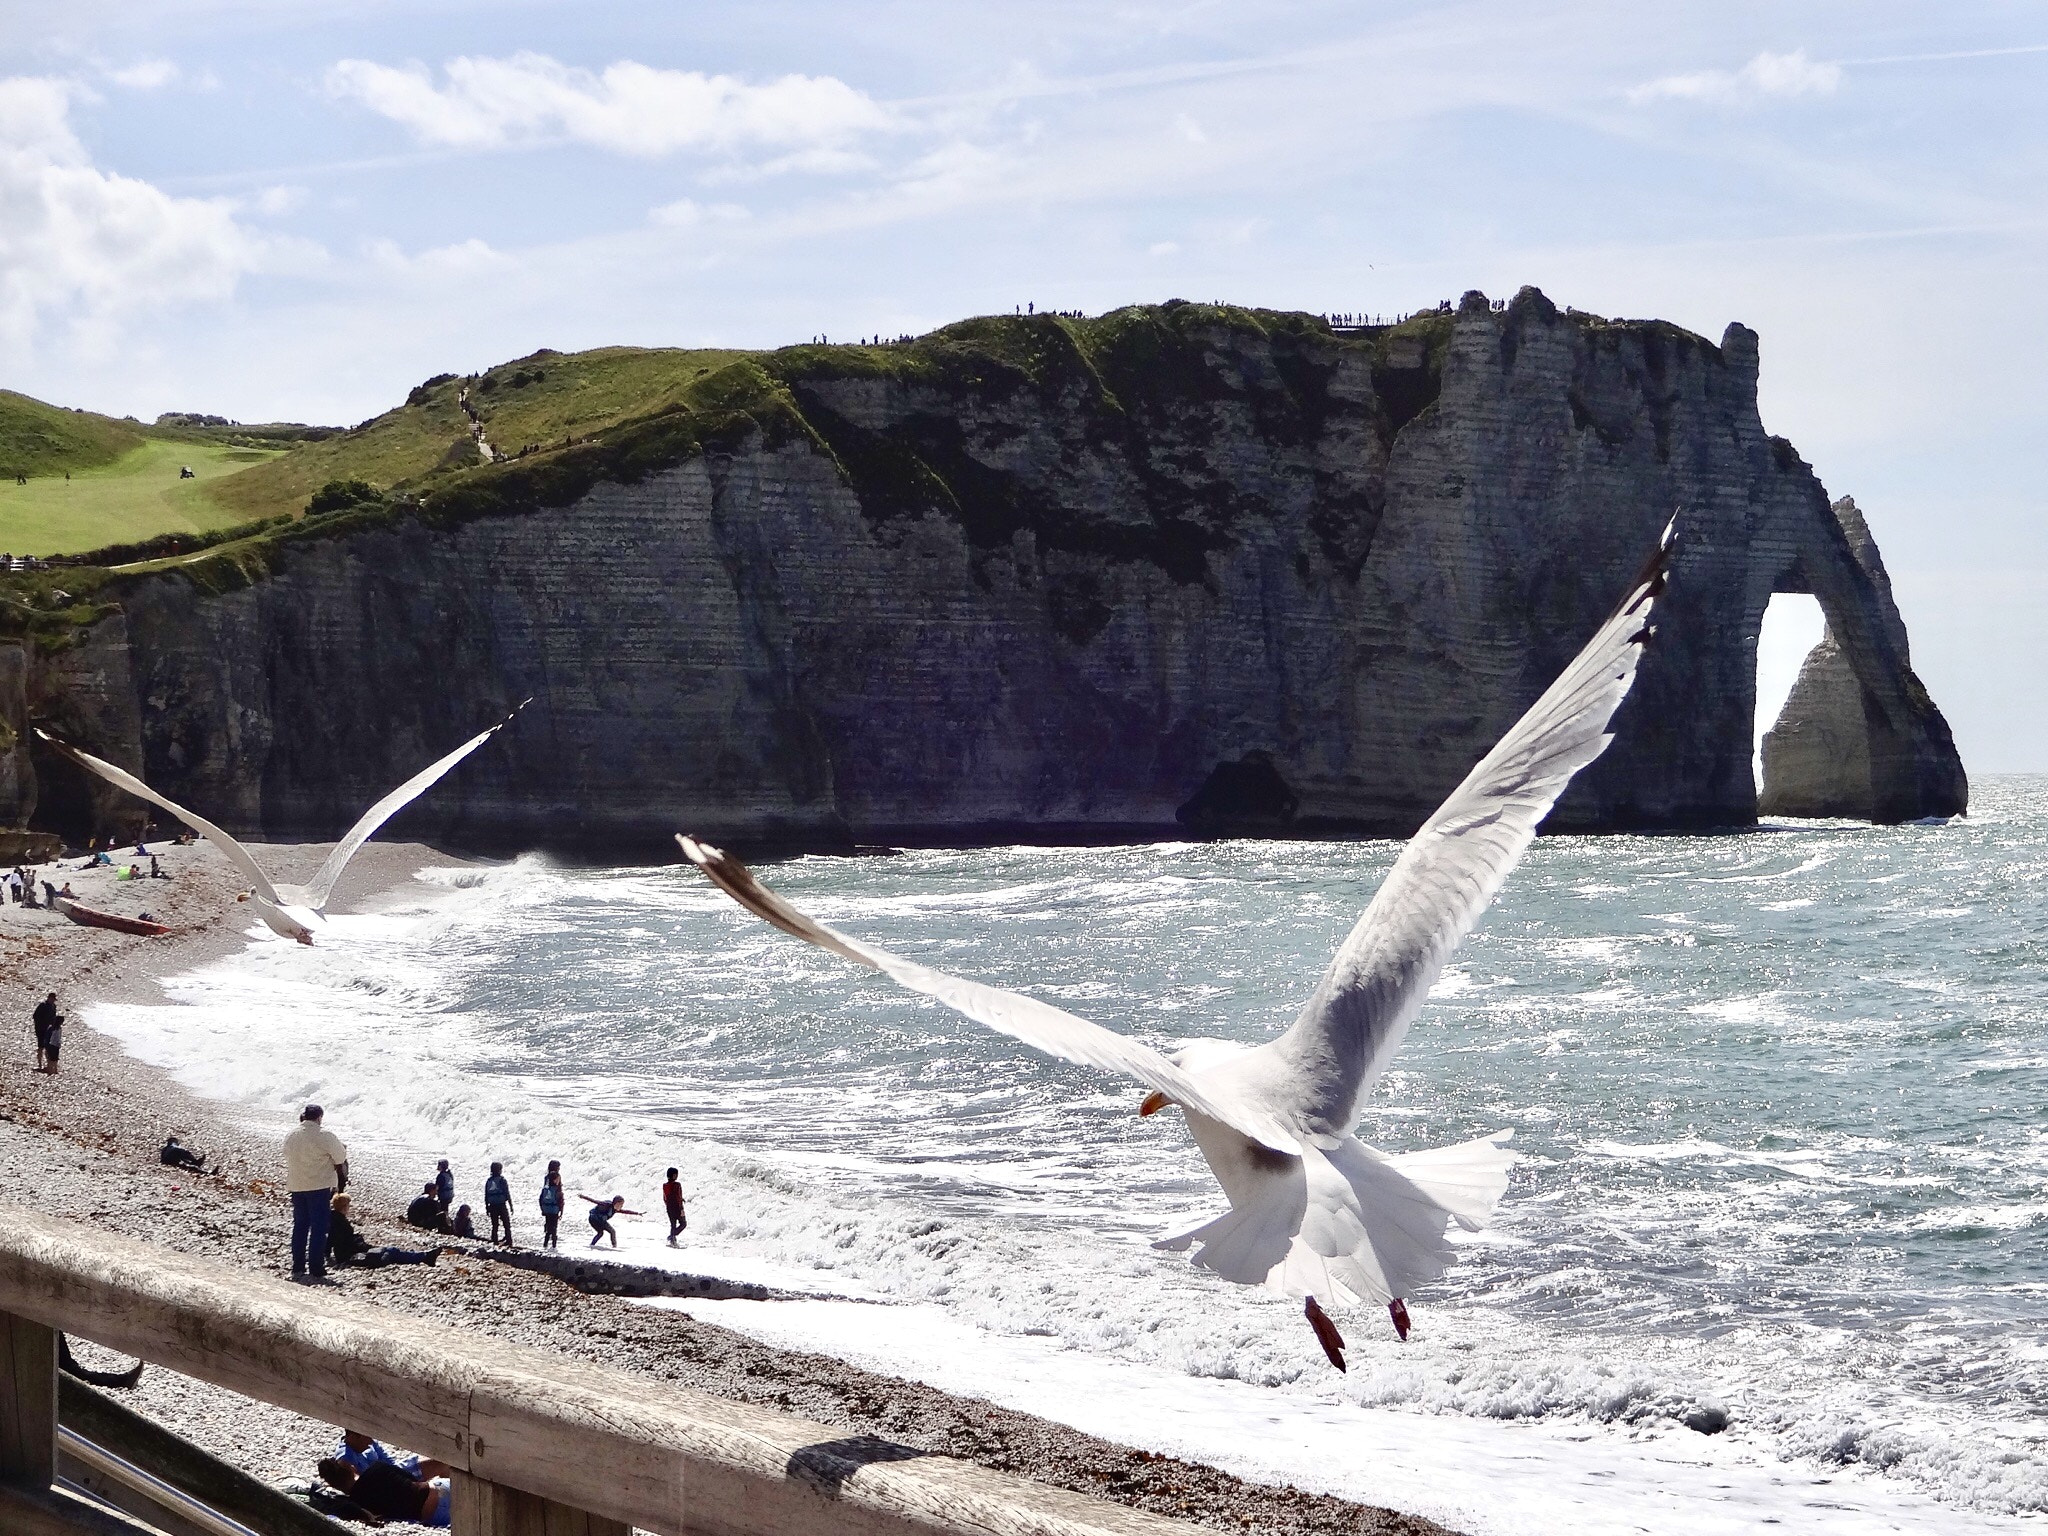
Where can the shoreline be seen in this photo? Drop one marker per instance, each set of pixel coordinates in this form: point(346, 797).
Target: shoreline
point(84, 1145)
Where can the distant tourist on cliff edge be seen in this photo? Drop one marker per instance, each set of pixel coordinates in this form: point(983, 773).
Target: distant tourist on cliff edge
point(315, 1166)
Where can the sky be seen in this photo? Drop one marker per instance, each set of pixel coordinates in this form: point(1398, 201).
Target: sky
point(285, 211)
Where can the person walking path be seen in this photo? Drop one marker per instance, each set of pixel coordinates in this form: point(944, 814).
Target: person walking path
point(316, 1166)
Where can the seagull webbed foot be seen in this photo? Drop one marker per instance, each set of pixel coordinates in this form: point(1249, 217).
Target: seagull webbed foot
point(1326, 1332)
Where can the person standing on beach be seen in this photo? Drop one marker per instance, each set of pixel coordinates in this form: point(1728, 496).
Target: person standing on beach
point(672, 1197)
point(315, 1165)
point(551, 1202)
point(49, 1028)
point(444, 1186)
point(498, 1203)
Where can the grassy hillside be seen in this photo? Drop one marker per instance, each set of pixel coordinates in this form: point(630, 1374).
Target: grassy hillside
point(561, 423)
point(135, 496)
point(39, 439)
point(537, 401)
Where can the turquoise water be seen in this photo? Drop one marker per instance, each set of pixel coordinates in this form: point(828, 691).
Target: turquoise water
point(1779, 1097)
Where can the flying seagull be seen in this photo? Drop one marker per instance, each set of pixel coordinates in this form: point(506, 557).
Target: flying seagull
point(1314, 1211)
point(288, 910)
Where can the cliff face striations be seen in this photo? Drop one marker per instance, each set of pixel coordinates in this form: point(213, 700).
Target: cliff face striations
point(1179, 567)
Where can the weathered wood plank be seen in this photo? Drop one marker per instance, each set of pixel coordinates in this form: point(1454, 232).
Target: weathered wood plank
point(53, 1512)
point(28, 1402)
point(609, 1448)
point(491, 1509)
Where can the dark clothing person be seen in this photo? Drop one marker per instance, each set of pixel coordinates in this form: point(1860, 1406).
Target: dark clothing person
point(444, 1185)
point(47, 1022)
point(312, 1212)
point(425, 1211)
point(672, 1198)
point(551, 1202)
point(346, 1246)
point(462, 1225)
point(177, 1155)
point(498, 1202)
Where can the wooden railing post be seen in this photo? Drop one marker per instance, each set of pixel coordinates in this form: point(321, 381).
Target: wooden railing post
point(491, 1509)
point(28, 1403)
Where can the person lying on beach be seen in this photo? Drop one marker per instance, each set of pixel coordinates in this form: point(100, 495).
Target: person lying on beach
point(345, 1245)
point(156, 870)
point(176, 1154)
point(601, 1214)
point(427, 1211)
point(362, 1451)
point(388, 1492)
point(463, 1224)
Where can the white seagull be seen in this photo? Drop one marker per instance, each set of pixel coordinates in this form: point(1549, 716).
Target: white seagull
point(1314, 1211)
point(290, 911)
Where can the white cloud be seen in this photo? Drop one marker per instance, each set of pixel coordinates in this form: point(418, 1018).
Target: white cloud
point(630, 108)
point(466, 258)
point(280, 200)
point(686, 214)
point(81, 243)
point(1782, 75)
point(150, 75)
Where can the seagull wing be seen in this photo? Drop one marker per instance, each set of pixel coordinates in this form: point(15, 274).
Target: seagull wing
point(1451, 870)
point(120, 778)
point(1049, 1029)
point(322, 884)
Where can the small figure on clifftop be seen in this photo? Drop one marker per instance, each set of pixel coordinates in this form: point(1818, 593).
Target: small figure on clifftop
point(49, 1033)
point(552, 1201)
point(601, 1214)
point(498, 1203)
point(672, 1198)
point(316, 1167)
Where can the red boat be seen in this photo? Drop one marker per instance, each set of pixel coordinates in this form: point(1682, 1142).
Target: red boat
point(92, 917)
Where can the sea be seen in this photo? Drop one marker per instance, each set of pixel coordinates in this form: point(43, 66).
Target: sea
point(1775, 1254)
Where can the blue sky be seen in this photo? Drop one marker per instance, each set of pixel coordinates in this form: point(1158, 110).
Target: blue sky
point(275, 210)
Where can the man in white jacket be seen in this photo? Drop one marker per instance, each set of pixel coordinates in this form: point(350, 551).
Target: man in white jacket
point(315, 1166)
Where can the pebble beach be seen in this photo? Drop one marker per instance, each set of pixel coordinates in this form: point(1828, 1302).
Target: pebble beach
point(84, 1145)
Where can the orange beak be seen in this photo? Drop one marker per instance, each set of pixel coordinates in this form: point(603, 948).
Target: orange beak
point(1155, 1101)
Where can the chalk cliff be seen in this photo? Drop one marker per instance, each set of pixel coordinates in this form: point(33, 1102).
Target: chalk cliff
point(1831, 751)
point(1176, 568)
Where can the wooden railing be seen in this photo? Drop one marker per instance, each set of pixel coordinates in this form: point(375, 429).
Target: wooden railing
point(541, 1443)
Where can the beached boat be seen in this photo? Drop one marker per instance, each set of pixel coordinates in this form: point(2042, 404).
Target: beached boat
point(92, 917)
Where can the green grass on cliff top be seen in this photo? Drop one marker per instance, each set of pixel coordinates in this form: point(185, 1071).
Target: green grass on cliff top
point(568, 421)
point(135, 495)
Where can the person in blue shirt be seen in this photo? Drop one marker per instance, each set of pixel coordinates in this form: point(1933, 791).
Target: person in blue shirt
point(551, 1202)
point(359, 1450)
point(498, 1202)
